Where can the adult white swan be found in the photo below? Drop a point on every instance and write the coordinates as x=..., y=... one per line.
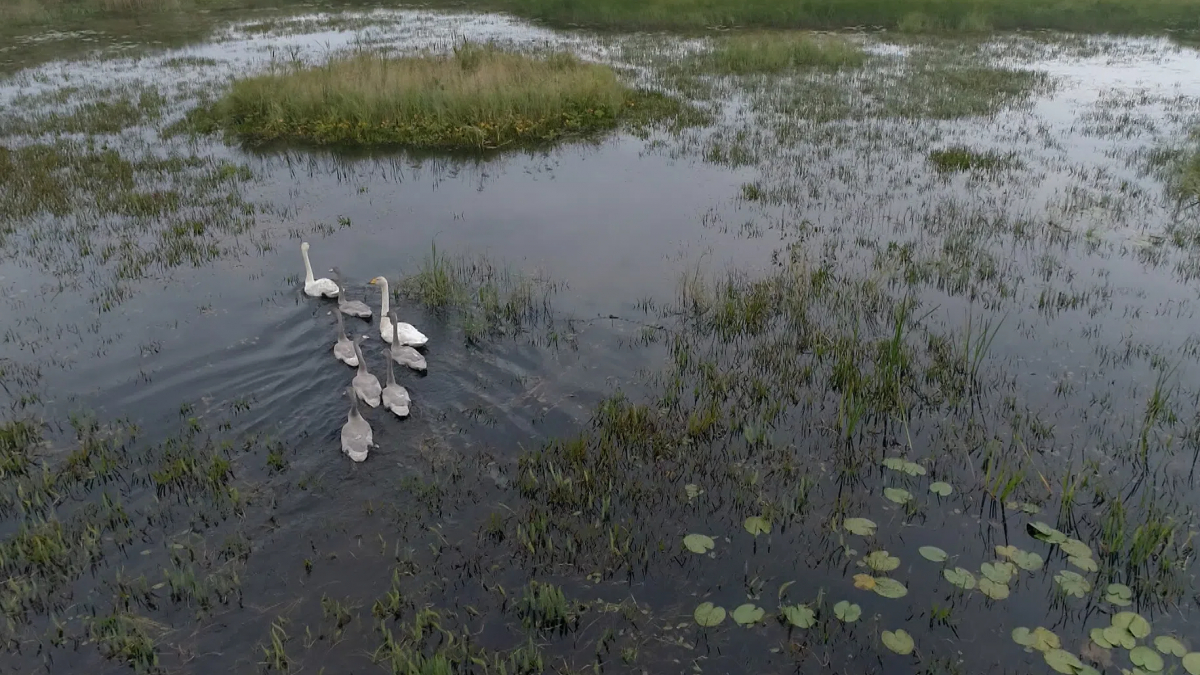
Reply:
x=316, y=287
x=356, y=432
x=407, y=333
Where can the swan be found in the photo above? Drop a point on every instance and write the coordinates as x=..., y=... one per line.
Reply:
x=402, y=353
x=356, y=433
x=395, y=397
x=315, y=287
x=408, y=334
x=343, y=349
x=365, y=384
x=349, y=307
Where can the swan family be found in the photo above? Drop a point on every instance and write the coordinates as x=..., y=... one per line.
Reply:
x=401, y=338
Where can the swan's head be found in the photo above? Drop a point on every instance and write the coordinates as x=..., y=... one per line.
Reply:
x=304, y=246
x=378, y=280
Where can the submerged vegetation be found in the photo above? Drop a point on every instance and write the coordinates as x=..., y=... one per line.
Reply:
x=478, y=97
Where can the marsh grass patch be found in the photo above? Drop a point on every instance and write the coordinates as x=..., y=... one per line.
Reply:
x=777, y=52
x=960, y=158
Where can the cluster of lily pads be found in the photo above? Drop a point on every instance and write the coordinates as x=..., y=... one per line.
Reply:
x=1125, y=631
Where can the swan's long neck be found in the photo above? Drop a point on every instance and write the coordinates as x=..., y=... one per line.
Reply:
x=354, y=405
x=395, y=329
x=362, y=363
x=391, y=376
x=308, y=275
x=384, y=306
x=341, y=326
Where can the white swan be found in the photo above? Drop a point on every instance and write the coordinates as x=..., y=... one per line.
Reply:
x=357, y=438
x=343, y=349
x=395, y=397
x=349, y=307
x=315, y=287
x=402, y=353
x=409, y=335
x=364, y=383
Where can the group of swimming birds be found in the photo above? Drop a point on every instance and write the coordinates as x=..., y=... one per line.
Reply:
x=402, y=339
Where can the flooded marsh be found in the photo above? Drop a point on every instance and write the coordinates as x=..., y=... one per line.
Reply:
x=878, y=355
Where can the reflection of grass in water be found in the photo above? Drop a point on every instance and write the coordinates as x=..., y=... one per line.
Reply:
x=479, y=97
x=774, y=52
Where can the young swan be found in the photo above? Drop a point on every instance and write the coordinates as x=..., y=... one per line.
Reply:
x=402, y=353
x=356, y=433
x=395, y=397
x=343, y=349
x=364, y=383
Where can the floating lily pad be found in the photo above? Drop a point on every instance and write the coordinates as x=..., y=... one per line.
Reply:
x=933, y=553
x=1038, y=638
x=1072, y=583
x=708, y=615
x=864, y=582
x=692, y=491
x=1028, y=560
x=882, y=561
x=1146, y=658
x=757, y=525
x=1191, y=663
x=847, y=611
x=1063, y=661
x=1119, y=594
x=941, y=488
x=1097, y=635
x=1024, y=506
x=1076, y=548
x=859, y=526
x=1046, y=533
x=1132, y=622
x=898, y=495
x=747, y=614
x=899, y=641
x=999, y=572
x=1085, y=564
x=960, y=577
x=993, y=589
x=1023, y=636
x=1007, y=551
x=904, y=466
x=1168, y=644
x=889, y=588
x=800, y=616
x=698, y=543
x=1119, y=637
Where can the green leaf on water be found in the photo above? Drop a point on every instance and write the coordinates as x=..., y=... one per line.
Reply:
x=859, y=526
x=889, y=588
x=1147, y=658
x=1119, y=637
x=757, y=525
x=1191, y=663
x=1076, y=548
x=847, y=611
x=1132, y=622
x=698, y=543
x=1063, y=661
x=1169, y=644
x=993, y=589
x=960, y=577
x=999, y=572
x=1119, y=594
x=882, y=561
x=898, y=495
x=1023, y=636
x=1039, y=639
x=1028, y=560
x=1072, y=583
x=933, y=553
x=747, y=614
x=1097, y=636
x=1085, y=564
x=904, y=466
x=708, y=615
x=899, y=641
x=894, y=463
x=941, y=488
x=800, y=616
x=1046, y=533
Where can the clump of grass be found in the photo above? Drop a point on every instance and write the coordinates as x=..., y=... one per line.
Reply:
x=126, y=637
x=545, y=608
x=93, y=117
x=960, y=158
x=776, y=52
x=1189, y=180
x=477, y=97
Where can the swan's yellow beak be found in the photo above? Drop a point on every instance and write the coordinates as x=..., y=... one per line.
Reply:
x=372, y=282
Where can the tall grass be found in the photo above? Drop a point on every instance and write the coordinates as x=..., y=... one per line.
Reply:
x=775, y=52
x=477, y=97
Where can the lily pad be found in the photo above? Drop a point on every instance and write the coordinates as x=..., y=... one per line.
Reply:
x=1072, y=583
x=859, y=526
x=747, y=614
x=999, y=572
x=1044, y=640
x=899, y=641
x=708, y=615
x=1023, y=636
x=933, y=553
x=698, y=543
x=1063, y=661
x=898, y=495
x=889, y=588
x=1119, y=637
x=800, y=616
x=757, y=525
x=1168, y=644
x=1007, y=551
x=1028, y=560
x=1119, y=594
x=882, y=561
x=1132, y=622
x=1097, y=635
x=941, y=488
x=1046, y=533
x=1146, y=658
x=847, y=611
x=993, y=589
x=864, y=582
x=904, y=466
x=1085, y=564
x=960, y=577
x=1191, y=663
x=1076, y=548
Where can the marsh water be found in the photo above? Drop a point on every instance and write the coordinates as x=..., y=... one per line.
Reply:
x=1073, y=260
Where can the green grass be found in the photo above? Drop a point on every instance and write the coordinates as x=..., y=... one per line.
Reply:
x=478, y=97
x=776, y=52
x=959, y=158
x=1189, y=180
